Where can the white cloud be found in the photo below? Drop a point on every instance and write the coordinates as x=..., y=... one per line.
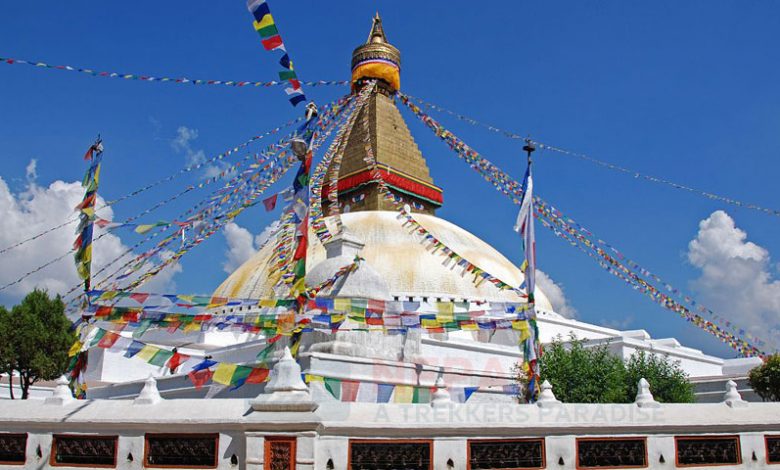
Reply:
x=183, y=143
x=36, y=209
x=736, y=280
x=242, y=245
x=555, y=294
x=31, y=171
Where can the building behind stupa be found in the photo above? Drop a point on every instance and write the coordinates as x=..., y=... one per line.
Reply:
x=461, y=412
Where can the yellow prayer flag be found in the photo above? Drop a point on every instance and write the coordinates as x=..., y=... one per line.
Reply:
x=75, y=349
x=267, y=20
x=268, y=303
x=147, y=352
x=342, y=305
x=314, y=378
x=403, y=394
x=193, y=326
x=428, y=323
x=224, y=373
x=469, y=326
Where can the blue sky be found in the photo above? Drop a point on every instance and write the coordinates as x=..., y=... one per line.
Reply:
x=682, y=91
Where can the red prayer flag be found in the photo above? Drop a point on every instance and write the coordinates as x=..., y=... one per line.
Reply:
x=257, y=376
x=108, y=340
x=199, y=378
x=349, y=390
x=270, y=203
x=176, y=360
x=272, y=43
x=140, y=298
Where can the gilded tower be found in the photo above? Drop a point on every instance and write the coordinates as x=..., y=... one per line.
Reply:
x=400, y=161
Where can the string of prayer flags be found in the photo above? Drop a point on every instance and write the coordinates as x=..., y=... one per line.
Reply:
x=177, y=80
x=611, y=166
x=580, y=237
x=372, y=392
x=271, y=39
x=86, y=209
x=223, y=373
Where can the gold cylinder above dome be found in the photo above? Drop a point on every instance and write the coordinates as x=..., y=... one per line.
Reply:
x=377, y=59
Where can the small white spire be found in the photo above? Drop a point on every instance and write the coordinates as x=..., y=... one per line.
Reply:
x=644, y=399
x=286, y=391
x=441, y=397
x=149, y=394
x=61, y=394
x=547, y=397
x=732, y=397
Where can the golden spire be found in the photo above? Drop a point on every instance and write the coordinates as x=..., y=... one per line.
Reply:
x=377, y=59
x=377, y=34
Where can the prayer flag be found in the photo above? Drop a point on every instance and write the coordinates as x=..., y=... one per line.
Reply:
x=200, y=377
x=205, y=364
x=108, y=340
x=224, y=373
x=258, y=375
x=134, y=348
x=367, y=393
x=349, y=390
x=384, y=392
x=272, y=43
x=403, y=394
x=334, y=387
x=270, y=203
x=421, y=395
x=147, y=352
x=160, y=357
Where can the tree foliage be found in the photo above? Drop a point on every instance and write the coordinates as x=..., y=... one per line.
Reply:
x=35, y=338
x=580, y=374
x=765, y=379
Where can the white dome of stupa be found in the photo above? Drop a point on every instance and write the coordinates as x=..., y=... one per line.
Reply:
x=402, y=261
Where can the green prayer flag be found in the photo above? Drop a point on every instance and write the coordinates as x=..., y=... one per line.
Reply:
x=97, y=338
x=268, y=31
x=160, y=357
x=334, y=387
x=240, y=374
x=421, y=395
x=287, y=75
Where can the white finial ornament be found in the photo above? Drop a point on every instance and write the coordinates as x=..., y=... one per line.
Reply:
x=547, y=397
x=149, y=394
x=732, y=397
x=61, y=394
x=441, y=397
x=644, y=399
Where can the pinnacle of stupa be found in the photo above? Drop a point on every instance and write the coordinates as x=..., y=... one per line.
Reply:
x=398, y=157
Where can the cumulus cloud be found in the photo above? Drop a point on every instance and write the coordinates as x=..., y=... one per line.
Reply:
x=555, y=294
x=242, y=245
x=736, y=279
x=36, y=209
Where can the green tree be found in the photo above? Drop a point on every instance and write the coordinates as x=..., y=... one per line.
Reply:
x=580, y=374
x=583, y=375
x=765, y=379
x=668, y=382
x=36, y=336
x=6, y=349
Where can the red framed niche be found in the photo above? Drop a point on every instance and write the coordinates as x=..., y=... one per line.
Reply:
x=57, y=439
x=214, y=437
x=540, y=440
x=288, y=444
x=767, y=438
x=731, y=437
x=641, y=439
x=428, y=442
x=23, y=437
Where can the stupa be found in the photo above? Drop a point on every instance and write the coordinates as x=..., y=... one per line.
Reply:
x=396, y=266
